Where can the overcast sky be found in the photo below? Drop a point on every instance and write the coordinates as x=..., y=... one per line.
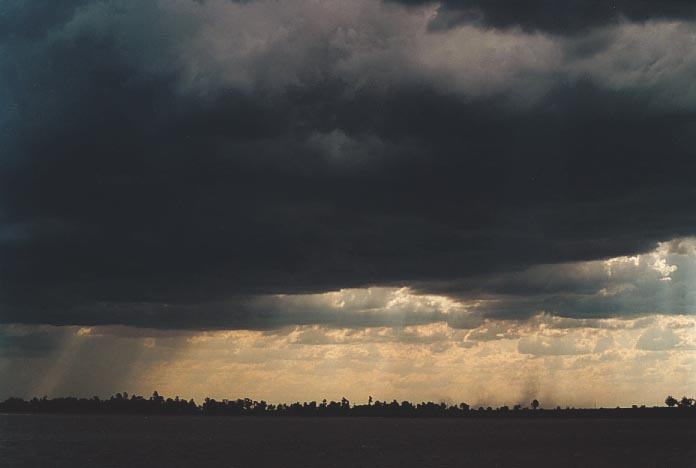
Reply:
x=465, y=199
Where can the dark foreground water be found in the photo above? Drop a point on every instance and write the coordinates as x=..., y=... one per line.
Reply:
x=170, y=441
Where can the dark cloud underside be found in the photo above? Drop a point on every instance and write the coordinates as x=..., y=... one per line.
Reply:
x=556, y=16
x=117, y=187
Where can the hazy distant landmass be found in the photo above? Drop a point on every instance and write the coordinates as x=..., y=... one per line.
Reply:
x=122, y=403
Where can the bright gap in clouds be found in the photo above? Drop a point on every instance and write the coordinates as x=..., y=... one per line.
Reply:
x=395, y=343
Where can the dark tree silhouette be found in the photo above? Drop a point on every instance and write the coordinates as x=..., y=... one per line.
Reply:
x=686, y=402
x=122, y=403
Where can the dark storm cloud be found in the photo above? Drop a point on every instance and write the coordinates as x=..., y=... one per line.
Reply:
x=121, y=185
x=26, y=19
x=19, y=341
x=555, y=16
x=250, y=313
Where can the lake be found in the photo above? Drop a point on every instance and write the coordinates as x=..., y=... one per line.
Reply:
x=177, y=441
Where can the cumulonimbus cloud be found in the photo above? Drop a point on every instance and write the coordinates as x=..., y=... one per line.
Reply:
x=166, y=161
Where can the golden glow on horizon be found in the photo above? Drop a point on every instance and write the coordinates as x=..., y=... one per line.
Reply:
x=559, y=361
x=423, y=347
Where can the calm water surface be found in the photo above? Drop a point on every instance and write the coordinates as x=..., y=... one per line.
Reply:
x=170, y=441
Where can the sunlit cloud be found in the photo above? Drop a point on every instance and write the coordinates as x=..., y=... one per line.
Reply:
x=276, y=45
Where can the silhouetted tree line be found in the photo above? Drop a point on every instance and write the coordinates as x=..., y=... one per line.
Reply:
x=119, y=403
x=122, y=403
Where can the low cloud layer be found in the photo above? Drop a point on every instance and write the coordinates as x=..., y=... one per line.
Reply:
x=559, y=361
x=657, y=282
